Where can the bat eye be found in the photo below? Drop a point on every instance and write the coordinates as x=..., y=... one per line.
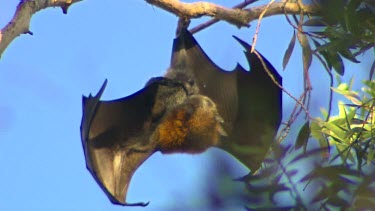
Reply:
x=191, y=82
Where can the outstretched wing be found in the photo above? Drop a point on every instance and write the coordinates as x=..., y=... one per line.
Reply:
x=249, y=101
x=115, y=137
x=259, y=111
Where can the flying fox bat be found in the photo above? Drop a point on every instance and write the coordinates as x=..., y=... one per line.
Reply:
x=196, y=105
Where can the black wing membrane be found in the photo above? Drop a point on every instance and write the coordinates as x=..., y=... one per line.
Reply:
x=259, y=111
x=107, y=129
x=249, y=101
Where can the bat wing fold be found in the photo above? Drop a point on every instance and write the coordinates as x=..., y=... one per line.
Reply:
x=115, y=139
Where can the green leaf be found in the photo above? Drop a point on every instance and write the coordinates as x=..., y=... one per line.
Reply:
x=370, y=155
x=343, y=90
x=337, y=63
x=348, y=55
x=335, y=131
x=303, y=136
x=342, y=112
x=372, y=69
x=350, y=95
x=349, y=117
x=337, y=201
x=289, y=50
x=306, y=50
x=360, y=155
x=343, y=87
x=316, y=133
x=344, y=151
x=307, y=154
x=316, y=130
x=292, y=172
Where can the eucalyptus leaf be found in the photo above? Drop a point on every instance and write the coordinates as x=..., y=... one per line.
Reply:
x=289, y=50
x=303, y=136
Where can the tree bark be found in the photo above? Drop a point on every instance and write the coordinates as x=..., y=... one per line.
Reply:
x=20, y=23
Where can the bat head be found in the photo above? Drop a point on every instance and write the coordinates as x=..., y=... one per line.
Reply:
x=190, y=127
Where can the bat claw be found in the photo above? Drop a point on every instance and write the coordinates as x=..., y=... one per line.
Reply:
x=138, y=204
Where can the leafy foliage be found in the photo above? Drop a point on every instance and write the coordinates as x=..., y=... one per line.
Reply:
x=279, y=185
x=344, y=29
x=337, y=175
x=340, y=173
x=352, y=130
x=348, y=29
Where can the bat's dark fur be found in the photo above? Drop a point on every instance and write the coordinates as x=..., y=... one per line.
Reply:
x=195, y=106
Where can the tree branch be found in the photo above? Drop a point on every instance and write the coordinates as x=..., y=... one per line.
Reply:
x=20, y=22
x=195, y=10
x=215, y=20
x=238, y=17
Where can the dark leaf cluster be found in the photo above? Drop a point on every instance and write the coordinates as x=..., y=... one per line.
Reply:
x=302, y=180
x=345, y=29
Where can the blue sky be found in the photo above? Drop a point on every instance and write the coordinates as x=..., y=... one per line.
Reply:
x=42, y=80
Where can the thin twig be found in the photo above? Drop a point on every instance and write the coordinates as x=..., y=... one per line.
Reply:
x=299, y=29
x=292, y=117
x=258, y=26
x=282, y=88
x=278, y=84
x=297, y=196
